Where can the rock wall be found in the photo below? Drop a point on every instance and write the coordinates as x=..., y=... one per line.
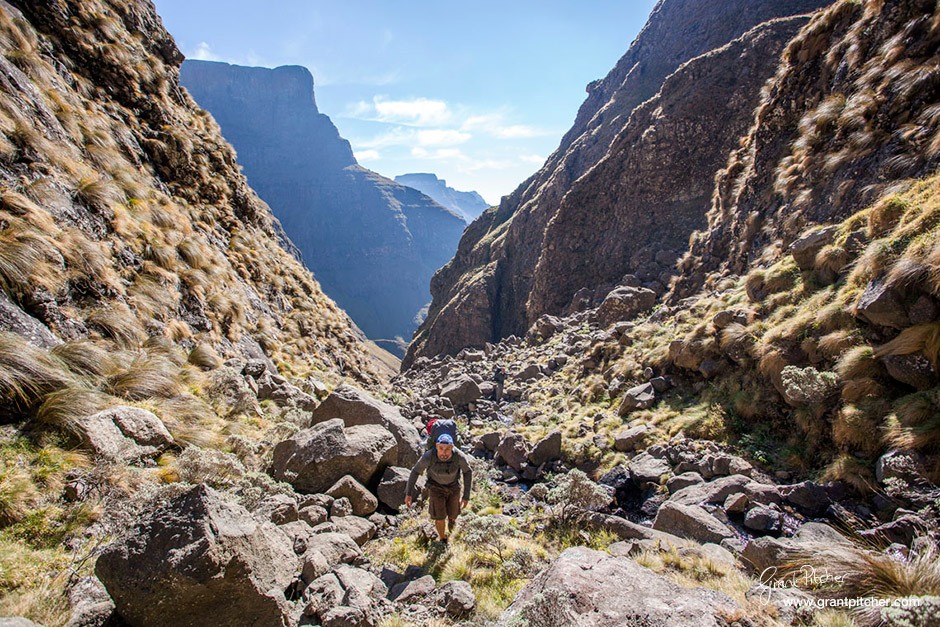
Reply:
x=481, y=294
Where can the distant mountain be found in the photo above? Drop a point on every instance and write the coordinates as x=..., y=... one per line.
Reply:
x=467, y=204
x=373, y=244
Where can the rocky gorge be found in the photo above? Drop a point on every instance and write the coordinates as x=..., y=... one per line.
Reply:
x=193, y=433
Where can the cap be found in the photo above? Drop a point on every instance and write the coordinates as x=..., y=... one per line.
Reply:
x=445, y=438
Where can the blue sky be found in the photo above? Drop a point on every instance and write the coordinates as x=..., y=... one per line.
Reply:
x=479, y=93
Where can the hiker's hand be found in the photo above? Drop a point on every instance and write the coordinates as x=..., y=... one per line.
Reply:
x=408, y=501
x=463, y=504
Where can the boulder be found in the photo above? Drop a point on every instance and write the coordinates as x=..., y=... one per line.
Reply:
x=914, y=370
x=313, y=515
x=276, y=389
x=312, y=460
x=542, y=329
x=16, y=621
x=766, y=551
x=793, y=606
x=391, y=490
x=461, y=391
x=341, y=507
x=630, y=439
x=584, y=587
x=91, y=605
x=690, y=521
x=363, y=502
x=805, y=248
x=683, y=481
x=410, y=590
x=359, y=529
x=639, y=397
x=491, y=440
x=277, y=508
x=457, y=598
x=229, y=388
x=546, y=450
x=763, y=519
x=123, y=434
x=808, y=496
x=644, y=468
x=513, y=450
x=736, y=503
x=336, y=548
x=880, y=304
x=624, y=303
x=714, y=492
x=356, y=408
x=903, y=530
x=200, y=560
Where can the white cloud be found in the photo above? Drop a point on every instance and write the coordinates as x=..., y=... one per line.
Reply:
x=442, y=137
x=493, y=124
x=204, y=52
x=367, y=155
x=422, y=112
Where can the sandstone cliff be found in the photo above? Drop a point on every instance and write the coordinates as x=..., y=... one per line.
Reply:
x=372, y=244
x=481, y=294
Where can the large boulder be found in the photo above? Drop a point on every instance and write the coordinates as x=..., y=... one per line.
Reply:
x=646, y=469
x=546, y=450
x=631, y=438
x=639, y=397
x=314, y=459
x=513, y=450
x=624, y=303
x=766, y=552
x=805, y=248
x=881, y=304
x=355, y=407
x=461, y=391
x=123, y=433
x=200, y=560
x=591, y=588
x=391, y=490
x=363, y=502
x=691, y=521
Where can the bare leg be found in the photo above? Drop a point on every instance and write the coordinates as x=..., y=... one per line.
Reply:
x=451, y=524
x=441, y=529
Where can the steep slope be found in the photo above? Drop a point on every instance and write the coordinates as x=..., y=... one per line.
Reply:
x=372, y=244
x=467, y=204
x=852, y=111
x=125, y=215
x=481, y=294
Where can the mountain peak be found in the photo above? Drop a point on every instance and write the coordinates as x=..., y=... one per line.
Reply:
x=467, y=205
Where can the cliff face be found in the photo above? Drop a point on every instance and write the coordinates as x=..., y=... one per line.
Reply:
x=124, y=217
x=481, y=294
x=850, y=114
x=469, y=205
x=372, y=244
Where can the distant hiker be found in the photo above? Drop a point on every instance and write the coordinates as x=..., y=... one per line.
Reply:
x=444, y=463
x=499, y=378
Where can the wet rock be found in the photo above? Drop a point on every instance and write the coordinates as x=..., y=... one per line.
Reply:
x=356, y=408
x=312, y=460
x=690, y=521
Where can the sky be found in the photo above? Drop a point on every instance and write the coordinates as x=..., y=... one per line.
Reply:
x=479, y=93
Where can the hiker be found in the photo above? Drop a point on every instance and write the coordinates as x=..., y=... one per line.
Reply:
x=499, y=378
x=444, y=463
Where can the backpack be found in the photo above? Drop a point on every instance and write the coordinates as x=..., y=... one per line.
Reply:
x=439, y=426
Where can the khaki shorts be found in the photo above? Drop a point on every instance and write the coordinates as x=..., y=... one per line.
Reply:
x=444, y=501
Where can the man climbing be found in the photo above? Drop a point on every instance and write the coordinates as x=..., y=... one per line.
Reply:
x=444, y=463
x=499, y=378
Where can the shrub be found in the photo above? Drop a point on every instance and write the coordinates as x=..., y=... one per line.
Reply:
x=486, y=536
x=573, y=493
x=215, y=468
